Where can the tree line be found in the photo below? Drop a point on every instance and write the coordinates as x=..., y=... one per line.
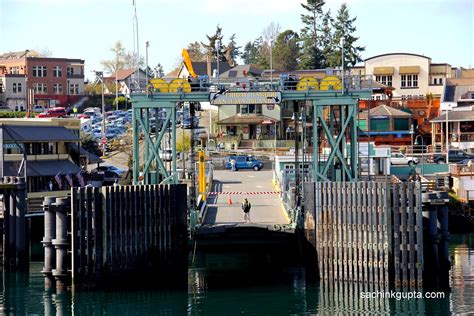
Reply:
x=317, y=45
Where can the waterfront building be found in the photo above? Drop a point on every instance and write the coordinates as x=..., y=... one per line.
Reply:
x=51, y=147
x=28, y=78
x=127, y=80
x=458, y=99
x=385, y=125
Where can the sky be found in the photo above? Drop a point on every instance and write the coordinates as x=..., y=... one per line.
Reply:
x=87, y=29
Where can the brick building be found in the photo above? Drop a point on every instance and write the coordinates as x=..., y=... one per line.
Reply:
x=28, y=78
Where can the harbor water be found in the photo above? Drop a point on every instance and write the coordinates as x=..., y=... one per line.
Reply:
x=285, y=291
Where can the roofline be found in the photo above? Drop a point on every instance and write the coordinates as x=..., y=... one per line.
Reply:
x=388, y=54
x=440, y=64
x=57, y=59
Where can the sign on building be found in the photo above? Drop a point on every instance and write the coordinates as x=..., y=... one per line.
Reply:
x=248, y=97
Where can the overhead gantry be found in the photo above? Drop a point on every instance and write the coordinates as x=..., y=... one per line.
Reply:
x=333, y=111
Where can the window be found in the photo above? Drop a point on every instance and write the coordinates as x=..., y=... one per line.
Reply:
x=1, y=87
x=57, y=71
x=74, y=88
x=15, y=70
x=16, y=87
x=251, y=108
x=258, y=108
x=409, y=81
x=39, y=71
x=385, y=80
x=70, y=71
x=57, y=88
x=243, y=109
x=440, y=80
x=41, y=88
x=435, y=81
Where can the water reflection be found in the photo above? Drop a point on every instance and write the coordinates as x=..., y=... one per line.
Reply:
x=256, y=292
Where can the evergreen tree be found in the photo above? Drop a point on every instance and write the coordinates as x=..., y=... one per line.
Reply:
x=327, y=38
x=343, y=28
x=251, y=50
x=232, y=43
x=211, y=46
x=196, y=51
x=311, y=56
x=286, y=51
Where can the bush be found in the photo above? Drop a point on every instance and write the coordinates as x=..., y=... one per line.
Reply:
x=14, y=114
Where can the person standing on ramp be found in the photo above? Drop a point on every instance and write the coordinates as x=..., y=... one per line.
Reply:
x=246, y=208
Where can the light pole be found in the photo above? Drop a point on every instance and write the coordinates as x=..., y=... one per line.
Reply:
x=447, y=136
x=116, y=81
x=218, y=48
x=275, y=144
x=103, y=140
x=271, y=63
x=146, y=68
x=422, y=153
x=342, y=58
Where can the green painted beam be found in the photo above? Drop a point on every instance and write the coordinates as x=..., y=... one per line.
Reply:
x=145, y=101
x=290, y=95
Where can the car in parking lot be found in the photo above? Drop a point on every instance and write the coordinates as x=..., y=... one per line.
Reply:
x=188, y=123
x=244, y=162
x=401, y=159
x=455, y=155
x=38, y=108
x=112, y=169
x=54, y=112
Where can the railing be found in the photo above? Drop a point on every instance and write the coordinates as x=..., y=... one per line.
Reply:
x=461, y=169
x=285, y=83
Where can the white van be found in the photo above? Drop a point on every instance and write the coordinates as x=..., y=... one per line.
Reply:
x=86, y=125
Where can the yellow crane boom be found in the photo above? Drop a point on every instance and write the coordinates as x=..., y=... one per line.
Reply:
x=188, y=63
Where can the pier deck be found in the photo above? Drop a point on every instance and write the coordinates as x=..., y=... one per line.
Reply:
x=256, y=186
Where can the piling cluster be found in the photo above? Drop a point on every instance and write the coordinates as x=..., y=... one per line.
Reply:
x=15, y=255
x=55, y=242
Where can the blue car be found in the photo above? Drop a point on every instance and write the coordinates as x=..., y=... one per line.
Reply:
x=244, y=162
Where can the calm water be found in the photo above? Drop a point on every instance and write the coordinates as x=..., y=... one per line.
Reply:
x=282, y=293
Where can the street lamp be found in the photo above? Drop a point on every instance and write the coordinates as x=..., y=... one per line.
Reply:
x=271, y=63
x=218, y=48
x=100, y=76
x=342, y=59
x=422, y=153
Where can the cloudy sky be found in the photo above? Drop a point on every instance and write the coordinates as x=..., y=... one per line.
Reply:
x=87, y=29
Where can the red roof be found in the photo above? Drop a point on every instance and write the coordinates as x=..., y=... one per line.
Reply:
x=123, y=74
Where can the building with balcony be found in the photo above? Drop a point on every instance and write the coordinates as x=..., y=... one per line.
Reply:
x=46, y=148
x=411, y=75
x=45, y=81
x=458, y=99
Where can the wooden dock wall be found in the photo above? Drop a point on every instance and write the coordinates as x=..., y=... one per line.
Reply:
x=356, y=229
x=128, y=233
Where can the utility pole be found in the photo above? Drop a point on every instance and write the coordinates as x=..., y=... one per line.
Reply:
x=146, y=68
x=342, y=58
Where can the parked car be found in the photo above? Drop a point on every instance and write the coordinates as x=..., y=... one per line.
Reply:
x=455, y=155
x=95, y=110
x=54, y=112
x=244, y=162
x=113, y=169
x=38, y=108
x=83, y=116
x=401, y=159
x=187, y=123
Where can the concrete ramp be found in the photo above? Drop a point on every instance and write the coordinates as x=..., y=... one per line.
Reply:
x=229, y=191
